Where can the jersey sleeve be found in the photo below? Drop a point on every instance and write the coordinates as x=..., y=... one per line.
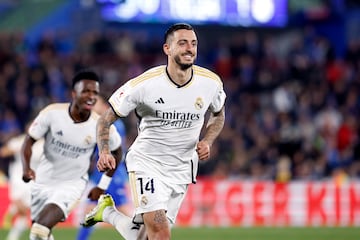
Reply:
x=124, y=99
x=40, y=125
x=115, y=138
x=218, y=100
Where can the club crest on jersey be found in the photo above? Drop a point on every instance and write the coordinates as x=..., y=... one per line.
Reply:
x=199, y=104
x=88, y=140
x=144, y=201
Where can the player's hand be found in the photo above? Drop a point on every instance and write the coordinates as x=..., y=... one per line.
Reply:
x=106, y=162
x=95, y=193
x=203, y=150
x=28, y=175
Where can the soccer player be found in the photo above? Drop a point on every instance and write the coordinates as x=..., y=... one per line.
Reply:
x=69, y=130
x=171, y=102
x=19, y=192
x=118, y=187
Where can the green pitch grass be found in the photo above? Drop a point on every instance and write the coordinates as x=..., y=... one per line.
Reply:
x=224, y=234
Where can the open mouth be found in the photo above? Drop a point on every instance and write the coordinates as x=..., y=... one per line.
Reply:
x=188, y=57
x=89, y=104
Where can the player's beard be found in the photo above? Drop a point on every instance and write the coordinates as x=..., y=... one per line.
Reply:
x=183, y=66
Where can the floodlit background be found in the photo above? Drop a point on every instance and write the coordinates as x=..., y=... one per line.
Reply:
x=289, y=154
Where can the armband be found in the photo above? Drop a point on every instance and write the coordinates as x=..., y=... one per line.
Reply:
x=104, y=182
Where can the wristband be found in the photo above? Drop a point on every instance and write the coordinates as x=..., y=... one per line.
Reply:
x=104, y=182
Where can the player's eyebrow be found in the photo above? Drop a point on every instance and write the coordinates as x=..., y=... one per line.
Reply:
x=185, y=40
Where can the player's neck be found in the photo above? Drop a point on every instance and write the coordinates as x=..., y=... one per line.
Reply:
x=77, y=115
x=178, y=75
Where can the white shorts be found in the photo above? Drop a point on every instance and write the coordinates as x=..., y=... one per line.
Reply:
x=150, y=194
x=20, y=191
x=65, y=194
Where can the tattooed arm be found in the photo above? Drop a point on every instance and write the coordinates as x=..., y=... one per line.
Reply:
x=213, y=129
x=106, y=159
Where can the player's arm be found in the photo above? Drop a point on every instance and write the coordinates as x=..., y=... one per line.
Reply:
x=117, y=154
x=106, y=160
x=26, y=152
x=213, y=129
x=106, y=178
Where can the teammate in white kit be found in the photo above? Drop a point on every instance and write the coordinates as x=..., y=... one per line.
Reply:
x=19, y=192
x=171, y=102
x=69, y=130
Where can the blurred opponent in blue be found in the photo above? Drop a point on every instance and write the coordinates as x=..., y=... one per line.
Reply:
x=118, y=187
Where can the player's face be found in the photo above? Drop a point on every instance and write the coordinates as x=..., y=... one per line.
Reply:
x=182, y=48
x=85, y=94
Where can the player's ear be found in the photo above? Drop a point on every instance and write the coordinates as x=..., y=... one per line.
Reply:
x=166, y=48
x=73, y=93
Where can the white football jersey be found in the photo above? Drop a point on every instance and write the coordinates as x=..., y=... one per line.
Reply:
x=15, y=167
x=171, y=118
x=19, y=190
x=68, y=145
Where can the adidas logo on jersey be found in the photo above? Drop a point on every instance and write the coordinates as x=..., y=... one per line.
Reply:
x=160, y=101
x=60, y=133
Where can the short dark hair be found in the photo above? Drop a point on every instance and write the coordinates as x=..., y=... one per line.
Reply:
x=85, y=75
x=177, y=26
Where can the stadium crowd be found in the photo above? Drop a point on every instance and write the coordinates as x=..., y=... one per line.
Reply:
x=292, y=104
